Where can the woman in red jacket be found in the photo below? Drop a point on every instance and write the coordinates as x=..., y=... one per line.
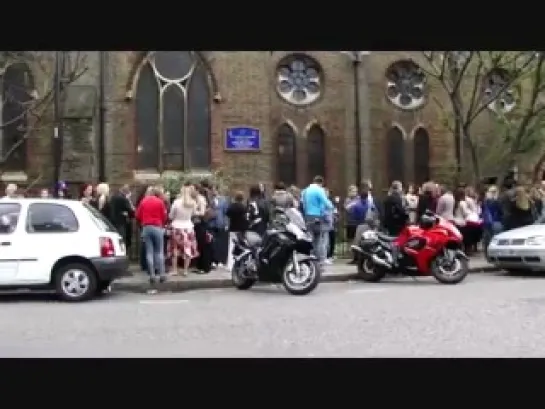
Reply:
x=152, y=216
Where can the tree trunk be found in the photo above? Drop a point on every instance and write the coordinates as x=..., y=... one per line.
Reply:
x=473, y=153
x=538, y=168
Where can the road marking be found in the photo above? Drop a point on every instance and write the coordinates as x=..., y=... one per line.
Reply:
x=366, y=290
x=163, y=302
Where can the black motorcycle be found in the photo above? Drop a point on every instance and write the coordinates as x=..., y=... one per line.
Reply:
x=282, y=255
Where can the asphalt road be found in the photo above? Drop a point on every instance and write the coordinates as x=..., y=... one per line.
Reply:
x=489, y=315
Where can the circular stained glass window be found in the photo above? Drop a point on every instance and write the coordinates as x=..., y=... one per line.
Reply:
x=405, y=85
x=501, y=99
x=299, y=79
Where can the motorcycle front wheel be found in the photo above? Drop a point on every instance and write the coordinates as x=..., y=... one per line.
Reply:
x=303, y=282
x=369, y=271
x=240, y=281
x=449, y=271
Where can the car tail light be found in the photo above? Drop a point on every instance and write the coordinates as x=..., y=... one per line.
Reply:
x=107, y=248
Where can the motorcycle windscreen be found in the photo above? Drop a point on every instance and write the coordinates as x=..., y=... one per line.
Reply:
x=296, y=218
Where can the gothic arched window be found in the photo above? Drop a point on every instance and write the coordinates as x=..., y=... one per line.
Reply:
x=421, y=145
x=316, y=152
x=17, y=86
x=173, y=112
x=286, y=161
x=396, y=155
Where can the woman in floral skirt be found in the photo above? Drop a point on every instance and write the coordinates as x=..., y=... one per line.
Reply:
x=183, y=242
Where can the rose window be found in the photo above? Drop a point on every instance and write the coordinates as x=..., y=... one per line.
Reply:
x=502, y=100
x=405, y=85
x=299, y=79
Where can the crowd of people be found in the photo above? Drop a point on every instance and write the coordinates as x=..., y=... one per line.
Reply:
x=479, y=213
x=193, y=229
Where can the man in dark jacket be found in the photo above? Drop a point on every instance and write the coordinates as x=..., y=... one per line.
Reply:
x=258, y=210
x=395, y=214
x=506, y=199
x=122, y=211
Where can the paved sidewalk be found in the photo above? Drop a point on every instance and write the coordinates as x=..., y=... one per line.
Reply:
x=338, y=272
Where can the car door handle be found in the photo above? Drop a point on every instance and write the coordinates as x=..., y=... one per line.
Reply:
x=5, y=243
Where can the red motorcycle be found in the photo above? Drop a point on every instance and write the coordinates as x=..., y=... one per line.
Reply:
x=431, y=248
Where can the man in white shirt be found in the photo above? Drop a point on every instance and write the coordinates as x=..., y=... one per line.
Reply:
x=445, y=204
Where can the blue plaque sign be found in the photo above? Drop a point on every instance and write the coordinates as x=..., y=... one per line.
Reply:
x=242, y=138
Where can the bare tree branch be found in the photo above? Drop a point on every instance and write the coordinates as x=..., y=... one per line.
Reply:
x=38, y=101
x=463, y=81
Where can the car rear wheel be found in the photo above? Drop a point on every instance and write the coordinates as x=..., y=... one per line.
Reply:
x=75, y=282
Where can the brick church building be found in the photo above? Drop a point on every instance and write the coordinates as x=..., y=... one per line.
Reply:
x=258, y=116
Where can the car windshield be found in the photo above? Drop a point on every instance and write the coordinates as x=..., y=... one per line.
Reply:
x=296, y=217
x=98, y=218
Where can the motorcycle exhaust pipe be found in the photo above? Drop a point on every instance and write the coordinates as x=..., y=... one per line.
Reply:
x=357, y=248
x=380, y=261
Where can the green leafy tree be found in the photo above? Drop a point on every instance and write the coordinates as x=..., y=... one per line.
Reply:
x=520, y=134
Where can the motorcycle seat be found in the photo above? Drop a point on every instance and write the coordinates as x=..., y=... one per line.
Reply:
x=385, y=237
x=253, y=238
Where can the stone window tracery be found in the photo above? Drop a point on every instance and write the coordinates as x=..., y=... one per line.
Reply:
x=173, y=112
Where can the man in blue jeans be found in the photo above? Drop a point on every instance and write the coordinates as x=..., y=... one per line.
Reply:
x=316, y=206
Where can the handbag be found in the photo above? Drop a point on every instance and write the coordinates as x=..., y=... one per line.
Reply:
x=473, y=219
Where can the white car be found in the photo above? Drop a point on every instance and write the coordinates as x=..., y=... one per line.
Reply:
x=61, y=245
x=521, y=249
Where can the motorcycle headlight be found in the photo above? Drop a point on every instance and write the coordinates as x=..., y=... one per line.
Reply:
x=535, y=241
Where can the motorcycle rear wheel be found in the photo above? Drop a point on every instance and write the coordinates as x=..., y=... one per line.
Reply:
x=369, y=271
x=450, y=274
x=238, y=279
x=294, y=285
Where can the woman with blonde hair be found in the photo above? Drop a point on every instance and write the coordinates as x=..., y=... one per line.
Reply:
x=522, y=211
x=103, y=200
x=182, y=238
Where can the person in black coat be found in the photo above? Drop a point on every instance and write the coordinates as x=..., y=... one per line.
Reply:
x=122, y=212
x=236, y=212
x=238, y=223
x=427, y=201
x=395, y=213
x=258, y=211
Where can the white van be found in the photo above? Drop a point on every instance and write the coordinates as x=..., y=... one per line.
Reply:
x=58, y=244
